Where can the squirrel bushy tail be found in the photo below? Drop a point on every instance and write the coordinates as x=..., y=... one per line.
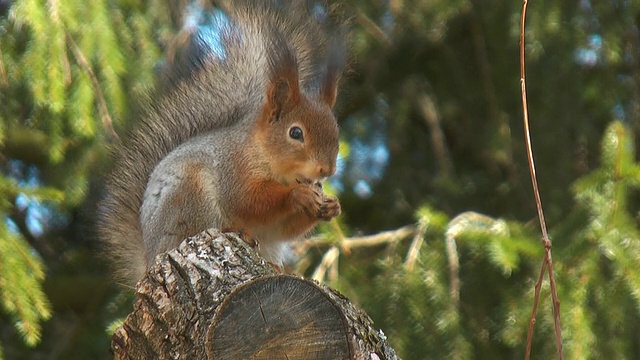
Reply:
x=222, y=85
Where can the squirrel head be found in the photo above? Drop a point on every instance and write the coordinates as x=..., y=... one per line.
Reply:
x=297, y=133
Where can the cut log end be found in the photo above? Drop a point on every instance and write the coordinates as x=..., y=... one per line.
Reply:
x=214, y=297
x=281, y=317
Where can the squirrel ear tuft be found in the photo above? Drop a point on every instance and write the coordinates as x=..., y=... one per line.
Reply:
x=336, y=62
x=329, y=87
x=282, y=95
x=283, y=91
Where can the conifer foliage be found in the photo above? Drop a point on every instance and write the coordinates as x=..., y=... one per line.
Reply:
x=66, y=70
x=438, y=239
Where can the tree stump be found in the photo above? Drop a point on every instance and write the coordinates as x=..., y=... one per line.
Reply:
x=214, y=297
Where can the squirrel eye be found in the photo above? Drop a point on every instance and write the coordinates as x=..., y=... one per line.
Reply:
x=296, y=133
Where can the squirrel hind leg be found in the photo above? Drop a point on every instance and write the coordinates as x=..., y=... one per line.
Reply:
x=275, y=253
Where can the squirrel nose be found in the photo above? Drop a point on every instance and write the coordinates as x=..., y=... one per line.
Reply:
x=326, y=170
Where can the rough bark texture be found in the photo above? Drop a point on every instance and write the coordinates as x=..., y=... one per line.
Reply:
x=215, y=298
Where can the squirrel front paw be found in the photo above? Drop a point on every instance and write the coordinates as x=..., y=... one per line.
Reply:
x=330, y=205
x=310, y=199
x=330, y=208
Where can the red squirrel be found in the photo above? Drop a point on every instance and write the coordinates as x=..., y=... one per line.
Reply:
x=242, y=142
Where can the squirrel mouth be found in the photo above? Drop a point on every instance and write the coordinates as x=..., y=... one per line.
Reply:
x=308, y=181
x=304, y=180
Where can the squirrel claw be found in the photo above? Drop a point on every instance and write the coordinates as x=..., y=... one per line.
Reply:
x=315, y=203
x=322, y=211
x=331, y=208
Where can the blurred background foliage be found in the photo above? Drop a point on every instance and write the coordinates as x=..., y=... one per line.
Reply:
x=433, y=168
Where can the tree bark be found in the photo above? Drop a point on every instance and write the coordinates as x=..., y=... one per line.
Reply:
x=214, y=297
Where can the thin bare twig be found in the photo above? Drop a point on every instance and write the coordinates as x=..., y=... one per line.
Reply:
x=102, y=103
x=363, y=241
x=454, y=268
x=337, y=231
x=547, y=261
x=54, y=12
x=4, y=81
x=416, y=244
x=438, y=142
x=489, y=89
x=372, y=28
x=536, y=299
x=329, y=258
x=329, y=262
